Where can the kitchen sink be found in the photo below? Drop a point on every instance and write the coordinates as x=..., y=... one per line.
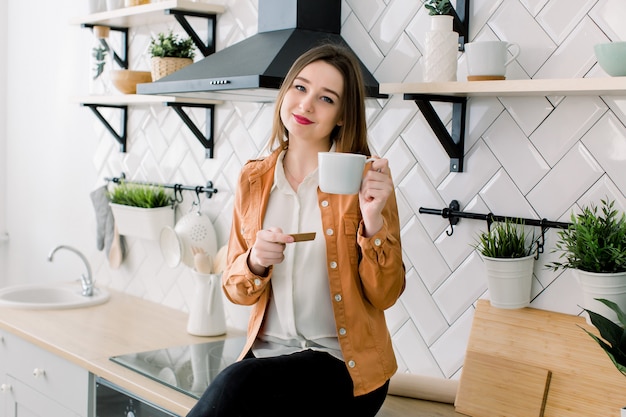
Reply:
x=50, y=296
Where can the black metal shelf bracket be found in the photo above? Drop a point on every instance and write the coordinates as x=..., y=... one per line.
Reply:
x=454, y=142
x=122, y=58
x=461, y=21
x=206, y=139
x=453, y=214
x=121, y=137
x=206, y=48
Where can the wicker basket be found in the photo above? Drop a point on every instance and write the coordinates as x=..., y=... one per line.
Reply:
x=165, y=66
x=130, y=3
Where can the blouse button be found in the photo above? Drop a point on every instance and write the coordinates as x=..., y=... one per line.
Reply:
x=330, y=232
x=351, y=364
x=324, y=203
x=333, y=264
x=337, y=297
x=342, y=331
x=257, y=282
x=377, y=242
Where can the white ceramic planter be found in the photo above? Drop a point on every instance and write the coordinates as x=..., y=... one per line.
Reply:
x=144, y=223
x=599, y=285
x=509, y=281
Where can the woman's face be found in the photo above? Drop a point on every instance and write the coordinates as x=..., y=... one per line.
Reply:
x=311, y=107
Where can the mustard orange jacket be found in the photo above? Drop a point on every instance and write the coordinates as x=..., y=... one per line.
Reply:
x=366, y=275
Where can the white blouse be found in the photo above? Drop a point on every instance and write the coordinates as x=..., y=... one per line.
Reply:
x=299, y=314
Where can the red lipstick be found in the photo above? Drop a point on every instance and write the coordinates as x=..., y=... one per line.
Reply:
x=302, y=120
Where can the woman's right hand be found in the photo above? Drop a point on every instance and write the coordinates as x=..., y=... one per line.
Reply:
x=268, y=250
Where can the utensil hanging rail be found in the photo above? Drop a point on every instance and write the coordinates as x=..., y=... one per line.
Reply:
x=208, y=190
x=453, y=214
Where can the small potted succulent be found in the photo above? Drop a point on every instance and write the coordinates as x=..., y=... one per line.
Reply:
x=508, y=253
x=169, y=53
x=438, y=7
x=141, y=210
x=594, y=247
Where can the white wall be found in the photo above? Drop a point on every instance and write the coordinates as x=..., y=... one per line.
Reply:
x=3, y=138
x=531, y=157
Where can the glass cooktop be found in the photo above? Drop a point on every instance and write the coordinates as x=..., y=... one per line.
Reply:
x=188, y=369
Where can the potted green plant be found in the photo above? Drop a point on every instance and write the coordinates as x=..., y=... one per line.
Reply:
x=141, y=210
x=169, y=53
x=509, y=256
x=441, y=43
x=612, y=336
x=594, y=247
x=438, y=7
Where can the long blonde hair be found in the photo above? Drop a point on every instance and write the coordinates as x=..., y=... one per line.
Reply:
x=351, y=136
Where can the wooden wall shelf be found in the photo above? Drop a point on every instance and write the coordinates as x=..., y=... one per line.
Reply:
x=146, y=14
x=457, y=94
x=121, y=102
x=544, y=87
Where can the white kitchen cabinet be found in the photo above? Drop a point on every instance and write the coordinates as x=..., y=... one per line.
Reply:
x=36, y=382
x=25, y=401
x=4, y=383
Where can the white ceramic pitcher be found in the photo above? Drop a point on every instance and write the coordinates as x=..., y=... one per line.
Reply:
x=206, y=315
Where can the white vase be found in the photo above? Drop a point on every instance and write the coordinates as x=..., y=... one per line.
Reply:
x=96, y=6
x=610, y=286
x=509, y=281
x=441, y=46
x=206, y=314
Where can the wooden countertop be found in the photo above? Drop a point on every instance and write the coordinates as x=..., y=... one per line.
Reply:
x=126, y=324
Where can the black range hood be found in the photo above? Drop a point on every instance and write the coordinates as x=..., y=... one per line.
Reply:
x=253, y=69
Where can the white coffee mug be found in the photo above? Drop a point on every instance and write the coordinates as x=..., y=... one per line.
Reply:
x=489, y=58
x=340, y=173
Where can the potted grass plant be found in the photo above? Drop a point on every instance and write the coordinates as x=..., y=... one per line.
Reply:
x=141, y=210
x=170, y=53
x=594, y=247
x=508, y=254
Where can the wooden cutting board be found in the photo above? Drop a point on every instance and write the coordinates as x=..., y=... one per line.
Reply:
x=491, y=386
x=584, y=382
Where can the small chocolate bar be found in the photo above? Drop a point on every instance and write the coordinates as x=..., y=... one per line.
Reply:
x=302, y=237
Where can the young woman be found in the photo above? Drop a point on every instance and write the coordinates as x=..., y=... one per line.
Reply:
x=317, y=342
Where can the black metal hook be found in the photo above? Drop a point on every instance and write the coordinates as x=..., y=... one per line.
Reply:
x=489, y=218
x=449, y=213
x=178, y=194
x=540, y=245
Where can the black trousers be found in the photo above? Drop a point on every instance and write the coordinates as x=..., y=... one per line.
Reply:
x=307, y=383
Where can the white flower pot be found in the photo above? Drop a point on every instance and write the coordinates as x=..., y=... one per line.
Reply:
x=509, y=281
x=441, y=48
x=144, y=223
x=602, y=285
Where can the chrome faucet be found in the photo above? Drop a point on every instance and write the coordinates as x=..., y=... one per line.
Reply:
x=86, y=281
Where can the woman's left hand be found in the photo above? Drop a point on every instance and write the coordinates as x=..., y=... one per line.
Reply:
x=376, y=188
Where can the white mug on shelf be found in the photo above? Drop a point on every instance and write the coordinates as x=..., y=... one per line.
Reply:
x=487, y=60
